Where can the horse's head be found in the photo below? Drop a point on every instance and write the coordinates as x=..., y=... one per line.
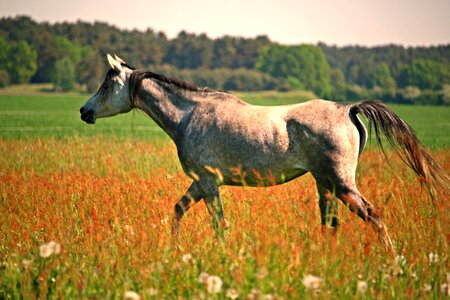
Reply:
x=113, y=96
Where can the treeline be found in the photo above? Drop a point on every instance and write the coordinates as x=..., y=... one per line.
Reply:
x=72, y=55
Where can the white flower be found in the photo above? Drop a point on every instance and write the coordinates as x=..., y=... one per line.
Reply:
x=46, y=250
x=400, y=261
x=445, y=289
x=213, y=284
x=433, y=258
x=232, y=294
x=203, y=277
x=426, y=287
x=56, y=248
x=129, y=229
x=152, y=292
x=254, y=294
x=262, y=272
x=362, y=286
x=132, y=295
x=186, y=258
x=312, y=282
x=26, y=263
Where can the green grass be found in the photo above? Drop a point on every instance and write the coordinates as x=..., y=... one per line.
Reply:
x=42, y=116
x=57, y=116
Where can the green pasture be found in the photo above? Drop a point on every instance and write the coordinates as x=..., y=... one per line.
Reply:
x=57, y=116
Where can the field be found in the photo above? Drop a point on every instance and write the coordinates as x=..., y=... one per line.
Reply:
x=105, y=195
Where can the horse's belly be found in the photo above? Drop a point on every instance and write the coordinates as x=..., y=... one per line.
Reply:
x=258, y=179
x=261, y=173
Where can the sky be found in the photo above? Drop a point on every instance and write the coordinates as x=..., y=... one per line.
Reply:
x=334, y=22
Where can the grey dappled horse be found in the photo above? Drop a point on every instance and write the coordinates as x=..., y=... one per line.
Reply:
x=222, y=140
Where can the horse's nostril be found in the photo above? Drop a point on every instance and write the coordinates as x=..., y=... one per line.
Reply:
x=87, y=115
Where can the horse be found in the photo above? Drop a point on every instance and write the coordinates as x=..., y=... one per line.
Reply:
x=222, y=140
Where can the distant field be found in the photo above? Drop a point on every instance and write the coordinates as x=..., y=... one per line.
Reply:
x=47, y=115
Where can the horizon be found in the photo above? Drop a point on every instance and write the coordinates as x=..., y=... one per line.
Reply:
x=287, y=22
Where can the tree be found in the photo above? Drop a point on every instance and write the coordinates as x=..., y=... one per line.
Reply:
x=190, y=51
x=4, y=51
x=338, y=84
x=380, y=75
x=90, y=71
x=224, y=52
x=305, y=66
x=21, y=62
x=63, y=75
x=446, y=94
x=425, y=74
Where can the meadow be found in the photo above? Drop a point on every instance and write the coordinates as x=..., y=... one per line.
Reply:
x=85, y=213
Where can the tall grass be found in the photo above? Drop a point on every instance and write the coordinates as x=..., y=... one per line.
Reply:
x=108, y=203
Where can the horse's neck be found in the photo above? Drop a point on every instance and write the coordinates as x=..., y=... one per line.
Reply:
x=166, y=108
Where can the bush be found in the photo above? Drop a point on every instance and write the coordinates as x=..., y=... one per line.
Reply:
x=446, y=94
x=63, y=75
x=22, y=62
x=4, y=78
x=429, y=97
x=356, y=93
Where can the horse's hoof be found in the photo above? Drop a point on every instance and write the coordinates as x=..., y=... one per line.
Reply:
x=224, y=224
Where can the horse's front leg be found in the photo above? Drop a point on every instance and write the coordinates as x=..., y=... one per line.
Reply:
x=192, y=196
x=214, y=205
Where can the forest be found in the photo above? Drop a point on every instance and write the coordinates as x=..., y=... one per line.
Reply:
x=71, y=56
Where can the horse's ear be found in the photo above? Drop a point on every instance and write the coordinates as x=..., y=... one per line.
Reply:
x=119, y=59
x=115, y=65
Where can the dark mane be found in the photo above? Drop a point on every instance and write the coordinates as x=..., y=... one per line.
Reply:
x=137, y=76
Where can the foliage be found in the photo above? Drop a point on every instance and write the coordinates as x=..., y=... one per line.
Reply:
x=425, y=74
x=189, y=51
x=338, y=85
x=305, y=66
x=446, y=94
x=63, y=75
x=4, y=78
x=381, y=76
x=353, y=71
x=19, y=60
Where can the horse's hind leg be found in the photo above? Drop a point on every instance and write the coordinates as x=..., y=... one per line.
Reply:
x=345, y=189
x=366, y=211
x=328, y=207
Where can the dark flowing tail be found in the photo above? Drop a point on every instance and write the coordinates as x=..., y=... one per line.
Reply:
x=403, y=139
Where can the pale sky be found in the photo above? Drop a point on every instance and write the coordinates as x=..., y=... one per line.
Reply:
x=340, y=22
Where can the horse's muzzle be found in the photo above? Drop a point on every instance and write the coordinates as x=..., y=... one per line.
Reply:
x=87, y=115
